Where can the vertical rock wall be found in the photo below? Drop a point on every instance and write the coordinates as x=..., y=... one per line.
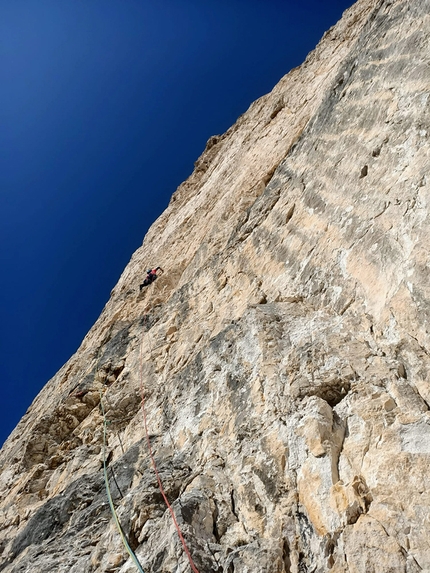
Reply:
x=284, y=353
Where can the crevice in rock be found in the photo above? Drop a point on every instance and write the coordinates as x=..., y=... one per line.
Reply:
x=382, y=210
x=332, y=392
x=364, y=171
x=189, y=480
x=269, y=174
x=133, y=540
x=215, y=526
x=302, y=567
x=420, y=345
x=286, y=556
x=108, y=460
x=279, y=106
x=233, y=505
x=347, y=305
x=339, y=430
x=306, y=532
x=290, y=213
x=213, y=568
x=330, y=547
x=401, y=371
x=116, y=483
x=415, y=562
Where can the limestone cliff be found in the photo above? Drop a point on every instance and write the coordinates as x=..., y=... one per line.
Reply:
x=284, y=353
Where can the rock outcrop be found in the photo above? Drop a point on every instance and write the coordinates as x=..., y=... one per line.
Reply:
x=283, y=354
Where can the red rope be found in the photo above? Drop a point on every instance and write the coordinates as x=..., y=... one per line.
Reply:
x=154, y=465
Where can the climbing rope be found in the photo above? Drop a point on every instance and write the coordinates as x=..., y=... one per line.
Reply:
x=154, y=465
x=109, y=495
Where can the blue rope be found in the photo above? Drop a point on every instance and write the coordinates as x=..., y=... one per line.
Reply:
x=109, y=495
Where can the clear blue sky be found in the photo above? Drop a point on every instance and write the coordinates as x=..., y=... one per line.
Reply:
x=104, y=107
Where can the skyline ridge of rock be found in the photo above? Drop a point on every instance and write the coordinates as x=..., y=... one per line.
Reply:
x=284, y=352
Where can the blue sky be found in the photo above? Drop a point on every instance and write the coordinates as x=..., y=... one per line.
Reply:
x=104, y=107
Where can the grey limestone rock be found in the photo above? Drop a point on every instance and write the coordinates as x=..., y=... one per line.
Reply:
x=282, y=357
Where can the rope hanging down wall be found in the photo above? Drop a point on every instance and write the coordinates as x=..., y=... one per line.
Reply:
x=154, y=465
x=109, y=496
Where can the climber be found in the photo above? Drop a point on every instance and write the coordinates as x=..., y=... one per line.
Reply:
x=151, y=275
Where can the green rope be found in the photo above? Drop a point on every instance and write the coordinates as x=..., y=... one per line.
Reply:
x=109, y=495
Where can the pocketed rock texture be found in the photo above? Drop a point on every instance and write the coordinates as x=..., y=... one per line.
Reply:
x=283, y=354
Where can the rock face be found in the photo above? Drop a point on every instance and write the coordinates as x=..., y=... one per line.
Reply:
x=283, y=355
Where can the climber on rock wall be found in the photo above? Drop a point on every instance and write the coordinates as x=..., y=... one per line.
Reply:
x=151, y=275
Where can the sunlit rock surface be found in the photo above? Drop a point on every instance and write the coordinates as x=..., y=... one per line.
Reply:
x=283, y=354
